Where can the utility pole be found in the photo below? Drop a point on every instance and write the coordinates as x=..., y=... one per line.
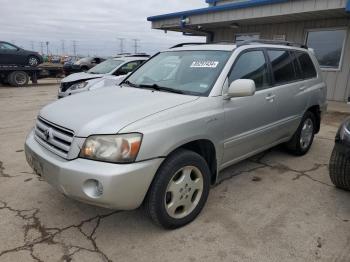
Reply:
x=74, y=48
x=136, y=45
x=42, y=47
x=47, y=47
x=121, y=44
x=63, y=47
x=32, y=44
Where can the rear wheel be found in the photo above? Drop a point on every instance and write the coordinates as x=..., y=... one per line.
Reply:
x=303, y=138
x=18, y=78
x=179, y=190
x=339, y=170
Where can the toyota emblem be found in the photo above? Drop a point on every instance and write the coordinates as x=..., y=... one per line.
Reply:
x=48, y=133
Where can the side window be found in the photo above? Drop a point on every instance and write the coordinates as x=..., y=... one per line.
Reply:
x=282, y=66
x=298, y=72
x=251, y=65
x=127, y=68
x=307, y=66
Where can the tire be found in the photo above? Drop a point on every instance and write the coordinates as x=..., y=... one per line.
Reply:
x=33, y=61
x=189, y=174
x=339, y=170
x=18, y=78
x=303, y=138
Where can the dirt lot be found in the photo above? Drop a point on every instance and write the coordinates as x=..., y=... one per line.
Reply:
x=273, y=207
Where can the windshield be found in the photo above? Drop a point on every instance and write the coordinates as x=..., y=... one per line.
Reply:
x=188, y=72
x=105, y=67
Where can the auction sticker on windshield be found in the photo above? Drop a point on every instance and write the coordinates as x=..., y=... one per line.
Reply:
x=205, y=64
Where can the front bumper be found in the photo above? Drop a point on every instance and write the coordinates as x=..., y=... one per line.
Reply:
x=124, y=186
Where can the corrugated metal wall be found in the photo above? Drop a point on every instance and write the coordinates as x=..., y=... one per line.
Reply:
x=338, y=81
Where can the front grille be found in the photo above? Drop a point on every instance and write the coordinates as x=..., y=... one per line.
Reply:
x=64, y=86
x=53, y=137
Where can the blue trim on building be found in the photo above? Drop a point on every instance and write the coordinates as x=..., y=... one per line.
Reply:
x=347, y=8
x=226, y=7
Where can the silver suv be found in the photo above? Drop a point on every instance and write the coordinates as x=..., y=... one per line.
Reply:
x=162, y=136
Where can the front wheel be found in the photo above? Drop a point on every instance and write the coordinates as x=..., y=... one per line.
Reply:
x=33, y=61
x=301, y=141
x=179, y=190
x=339, y=170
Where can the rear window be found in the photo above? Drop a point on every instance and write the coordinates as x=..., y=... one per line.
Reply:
x=306, y=64
x=282, y=66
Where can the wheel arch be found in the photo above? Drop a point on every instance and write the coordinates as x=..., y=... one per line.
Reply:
x=206, y=149
x=316, y=111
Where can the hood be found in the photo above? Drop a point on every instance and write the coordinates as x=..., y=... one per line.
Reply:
x=108, y=110
x=80, y=76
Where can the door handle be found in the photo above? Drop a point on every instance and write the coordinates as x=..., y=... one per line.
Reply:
x=270, y=98
x=302, y=88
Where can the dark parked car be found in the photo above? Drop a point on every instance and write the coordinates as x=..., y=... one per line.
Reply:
x=339, y=166
x=82, y=65
x=14, y=55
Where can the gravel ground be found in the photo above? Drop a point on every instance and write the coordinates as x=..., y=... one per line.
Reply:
x=272, y=207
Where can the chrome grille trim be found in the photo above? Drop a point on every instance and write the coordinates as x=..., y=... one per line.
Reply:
x=55, y=138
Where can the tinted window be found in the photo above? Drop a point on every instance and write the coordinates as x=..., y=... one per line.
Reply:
x=328, y=46
x=251, y=65
x=306, y=64
x=127, y=68
x=7, y=46
x=282, y=66
x=298, y=72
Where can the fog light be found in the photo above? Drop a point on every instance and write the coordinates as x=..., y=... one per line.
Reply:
x=93, y=188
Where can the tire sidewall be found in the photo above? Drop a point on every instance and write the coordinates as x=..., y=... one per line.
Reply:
x=12, y=78
x=165, y=174
x=307, y=116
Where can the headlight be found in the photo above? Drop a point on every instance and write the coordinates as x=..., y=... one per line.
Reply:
x=79, y=85
x=112, y=148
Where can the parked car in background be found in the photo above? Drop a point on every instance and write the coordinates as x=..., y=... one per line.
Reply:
x=14, y=55
x=109, y=72
x=339, y=166
x=163, y=135
x=82, y=65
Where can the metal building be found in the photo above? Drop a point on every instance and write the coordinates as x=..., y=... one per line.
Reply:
x=321, y=24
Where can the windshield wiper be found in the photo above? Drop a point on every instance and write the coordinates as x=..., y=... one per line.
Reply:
x=161, y=88
x=127, y=82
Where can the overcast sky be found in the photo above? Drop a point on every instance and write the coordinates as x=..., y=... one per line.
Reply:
x=94, y=24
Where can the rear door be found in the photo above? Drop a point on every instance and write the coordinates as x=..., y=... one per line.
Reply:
x=291, y=100
x=249, y=121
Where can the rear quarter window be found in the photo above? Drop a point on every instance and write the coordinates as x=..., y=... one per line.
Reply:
x=306, y=64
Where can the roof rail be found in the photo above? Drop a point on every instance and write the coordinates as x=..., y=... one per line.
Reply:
x=184, y=44
x=271, y=42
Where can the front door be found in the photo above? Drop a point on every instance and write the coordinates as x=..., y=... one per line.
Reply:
x=249, y=121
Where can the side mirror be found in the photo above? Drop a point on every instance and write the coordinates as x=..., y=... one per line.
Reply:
x=241, y=88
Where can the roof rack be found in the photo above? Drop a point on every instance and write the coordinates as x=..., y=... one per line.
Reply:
x=184, y=44
x=271, y=42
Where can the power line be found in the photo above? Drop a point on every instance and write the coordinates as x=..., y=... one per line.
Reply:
x=74, y=47
x=121, y=44
x=63, y=47
x=136, y=45
x=42, y=47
